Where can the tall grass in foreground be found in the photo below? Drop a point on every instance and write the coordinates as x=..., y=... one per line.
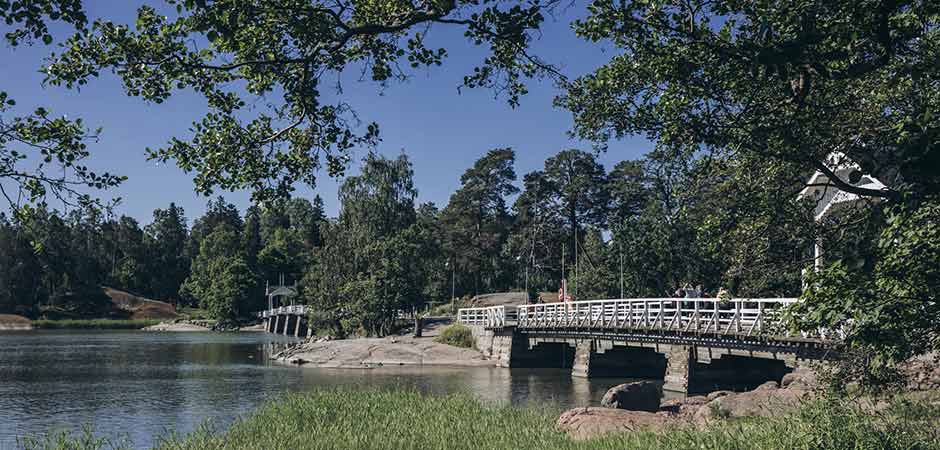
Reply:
x=66, y=440
x=94, y=324
x=380, y=420
x=346, y=419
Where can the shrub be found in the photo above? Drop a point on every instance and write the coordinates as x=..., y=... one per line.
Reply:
x=456, y=335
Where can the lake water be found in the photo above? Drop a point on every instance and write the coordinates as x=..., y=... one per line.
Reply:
x=138, y=385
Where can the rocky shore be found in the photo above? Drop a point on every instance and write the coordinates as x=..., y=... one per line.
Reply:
x=178, y=327
x=14, y=322
x=633, y=407
x=366, y=353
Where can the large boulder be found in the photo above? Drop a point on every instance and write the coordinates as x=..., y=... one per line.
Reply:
x=636, y=396
x=587, y=423
x=758, y=403
x=803, y=378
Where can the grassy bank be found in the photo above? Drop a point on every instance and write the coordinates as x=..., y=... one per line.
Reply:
x=94, y=324
x=399, y=420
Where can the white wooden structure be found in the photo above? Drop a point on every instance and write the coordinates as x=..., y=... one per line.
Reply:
x=292, y=310
x=830, y=200
x=740, y=316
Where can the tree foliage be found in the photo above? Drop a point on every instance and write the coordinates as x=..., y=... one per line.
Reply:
x=477, y=221
x=285, y=51
x=42, y=154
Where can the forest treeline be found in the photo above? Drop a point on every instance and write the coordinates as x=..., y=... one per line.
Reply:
x=646, y=226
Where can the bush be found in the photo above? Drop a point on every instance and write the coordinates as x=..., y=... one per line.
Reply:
x=456, y=335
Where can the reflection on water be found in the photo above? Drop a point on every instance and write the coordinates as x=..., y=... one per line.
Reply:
x=140, y=385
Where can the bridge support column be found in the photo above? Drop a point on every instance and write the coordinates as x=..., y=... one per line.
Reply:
x=309, y=329
x=277, y=322
x=714, y=371
x=679, y=362
x=583, y=352
x=601, y=358
x=286, y=324
x=297, y=327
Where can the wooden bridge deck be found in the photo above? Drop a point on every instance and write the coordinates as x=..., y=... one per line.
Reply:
x=678, y=319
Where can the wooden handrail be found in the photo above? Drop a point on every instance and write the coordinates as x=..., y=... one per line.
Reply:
x=742, y=316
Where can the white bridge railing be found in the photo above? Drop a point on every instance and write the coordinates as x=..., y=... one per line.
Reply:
x=490, y=317
x=300, y=310
x=744, y=316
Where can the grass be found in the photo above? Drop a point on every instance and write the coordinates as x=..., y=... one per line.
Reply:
x=380, y=420
x=66, y=440
x=94, y=324
x=403, y=420
x=456, y=335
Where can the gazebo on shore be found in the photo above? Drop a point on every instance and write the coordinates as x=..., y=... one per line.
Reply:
x=280, y=295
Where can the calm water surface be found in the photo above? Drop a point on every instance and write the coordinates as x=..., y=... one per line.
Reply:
x=140, y=385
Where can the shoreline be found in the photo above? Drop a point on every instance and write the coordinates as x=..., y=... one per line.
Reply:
x=93, y=324
x=176, y=327
x=369, y=353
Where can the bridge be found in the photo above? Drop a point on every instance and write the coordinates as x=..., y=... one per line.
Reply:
x=692, y=344
x=287, y=320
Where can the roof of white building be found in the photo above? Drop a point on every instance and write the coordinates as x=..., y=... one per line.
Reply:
x=829, y=198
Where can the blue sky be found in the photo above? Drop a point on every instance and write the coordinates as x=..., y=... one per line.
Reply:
x=441, y=130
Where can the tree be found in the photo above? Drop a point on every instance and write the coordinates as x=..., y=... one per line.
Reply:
x=167, y=238
x=251, y=238
x=596, y=279
x=319, y=216
x=284, y=51
x=233, y=293
x=305, y=219
x=477, y=222
x=773, y=82
x=41, y=154
x=219, y=248
x=629, y=191
x=573, y=186
x=371, y=264
x=890, y=310
x=538, y=234
x=283, y=255
x=128, y=254
x=787, y=86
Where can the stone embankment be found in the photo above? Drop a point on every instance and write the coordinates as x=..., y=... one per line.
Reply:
x=770, y=399
x=366, y=353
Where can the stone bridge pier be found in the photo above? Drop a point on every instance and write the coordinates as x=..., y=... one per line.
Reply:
x=683, y=368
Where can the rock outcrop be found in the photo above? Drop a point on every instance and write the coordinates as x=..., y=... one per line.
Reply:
x=14, y=322
x=367, y=353
x=590, y=422
x=768, y=400
x=765, y=401
x=636, y=396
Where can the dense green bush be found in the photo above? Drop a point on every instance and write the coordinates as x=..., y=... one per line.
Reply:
x=456, y=335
